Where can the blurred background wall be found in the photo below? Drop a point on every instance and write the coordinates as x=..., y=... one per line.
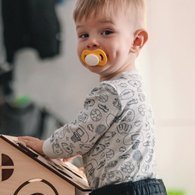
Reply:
x=172, y=55
x=166, y=63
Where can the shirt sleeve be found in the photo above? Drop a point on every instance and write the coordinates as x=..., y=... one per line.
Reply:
x=100, y=109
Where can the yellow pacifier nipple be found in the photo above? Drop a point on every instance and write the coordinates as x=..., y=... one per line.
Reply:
x=94, y=57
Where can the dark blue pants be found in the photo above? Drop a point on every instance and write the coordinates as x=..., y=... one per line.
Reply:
x=142, y=187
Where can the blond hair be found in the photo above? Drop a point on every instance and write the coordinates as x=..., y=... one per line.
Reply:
x=135, y=9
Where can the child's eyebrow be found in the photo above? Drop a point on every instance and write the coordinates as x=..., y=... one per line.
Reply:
x=79, y=26
x=106, y=21
x=102, y=21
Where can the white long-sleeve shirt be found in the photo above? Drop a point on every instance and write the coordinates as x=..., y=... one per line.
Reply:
x=113, y=133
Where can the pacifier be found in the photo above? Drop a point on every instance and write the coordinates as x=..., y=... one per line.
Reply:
x=94, y=57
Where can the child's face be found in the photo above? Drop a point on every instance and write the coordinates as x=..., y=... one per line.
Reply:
x=114, y=35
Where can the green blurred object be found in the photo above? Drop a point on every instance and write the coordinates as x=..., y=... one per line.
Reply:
x=176, y=192
x=22, y=101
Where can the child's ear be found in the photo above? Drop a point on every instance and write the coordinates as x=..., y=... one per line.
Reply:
x=140, y=38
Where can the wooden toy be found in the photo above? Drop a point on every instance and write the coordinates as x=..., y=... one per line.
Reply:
x=25, y=172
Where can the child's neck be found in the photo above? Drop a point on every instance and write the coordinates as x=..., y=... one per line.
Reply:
x=114, y=74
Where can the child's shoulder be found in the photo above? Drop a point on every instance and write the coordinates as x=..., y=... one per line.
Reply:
x=123, y=85
x=125, y=81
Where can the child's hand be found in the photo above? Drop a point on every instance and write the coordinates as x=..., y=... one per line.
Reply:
x=32, y=142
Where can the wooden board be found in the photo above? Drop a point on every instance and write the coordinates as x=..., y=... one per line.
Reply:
x=23, y=172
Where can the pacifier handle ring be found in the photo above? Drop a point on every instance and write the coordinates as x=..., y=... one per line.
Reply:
x=103, y=59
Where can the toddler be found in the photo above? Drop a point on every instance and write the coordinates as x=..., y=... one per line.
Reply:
x=114, y=132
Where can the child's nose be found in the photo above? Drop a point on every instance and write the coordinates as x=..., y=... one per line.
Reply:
x=92, y=44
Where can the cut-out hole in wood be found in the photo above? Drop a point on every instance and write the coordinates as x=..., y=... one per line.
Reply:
x=29, y=187
x=6, y=167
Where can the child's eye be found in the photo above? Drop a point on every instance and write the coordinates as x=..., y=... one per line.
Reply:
x=107, y=32
x=83, y=36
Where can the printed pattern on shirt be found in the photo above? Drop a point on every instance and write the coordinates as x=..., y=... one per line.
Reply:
x=113, y=132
